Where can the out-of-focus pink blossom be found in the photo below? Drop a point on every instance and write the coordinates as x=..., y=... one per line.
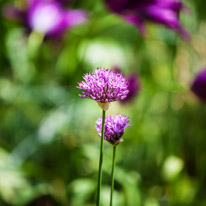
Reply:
x=47, y=16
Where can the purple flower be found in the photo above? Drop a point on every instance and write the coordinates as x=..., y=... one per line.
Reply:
x=133, y=87
x=137, y=12
x=104, y=86
x=114, y=128
x=199, y=85
x=48, y=17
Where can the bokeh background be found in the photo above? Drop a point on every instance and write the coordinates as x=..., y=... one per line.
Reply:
x=49, y=148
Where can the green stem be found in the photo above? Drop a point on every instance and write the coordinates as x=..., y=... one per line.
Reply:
x=112, y=175
x=101, y=160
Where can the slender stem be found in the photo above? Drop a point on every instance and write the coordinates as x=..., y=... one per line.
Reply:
x=112, y=175
x=101, y=160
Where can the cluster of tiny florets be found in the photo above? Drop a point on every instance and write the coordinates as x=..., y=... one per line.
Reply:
x=114, y=128
x=104, y=85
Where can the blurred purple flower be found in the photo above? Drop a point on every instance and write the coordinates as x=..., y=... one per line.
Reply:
x=114, y=128
x=137, y=12
x=47, y=16
x=199, y=85
x=104, y=86
x=133, y=87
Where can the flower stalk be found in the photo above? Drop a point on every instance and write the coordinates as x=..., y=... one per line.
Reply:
x=101, y=159
x=112, y=175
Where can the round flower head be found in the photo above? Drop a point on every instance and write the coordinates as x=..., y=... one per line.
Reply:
x=114, y=128
x=199, y=86
x=104, y=86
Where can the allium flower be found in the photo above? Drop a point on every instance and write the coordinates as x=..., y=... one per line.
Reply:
x=104, y=86
x=47, y=16
x=199, y=85
x=114, y=128
x=137, y=12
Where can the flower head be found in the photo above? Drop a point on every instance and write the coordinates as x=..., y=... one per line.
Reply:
x=47, y=17
x=114, y=128
x=104, y=86
x=199, y=86
x=137, y=12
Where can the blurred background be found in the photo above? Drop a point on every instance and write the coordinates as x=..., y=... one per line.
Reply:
x=49, y=148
